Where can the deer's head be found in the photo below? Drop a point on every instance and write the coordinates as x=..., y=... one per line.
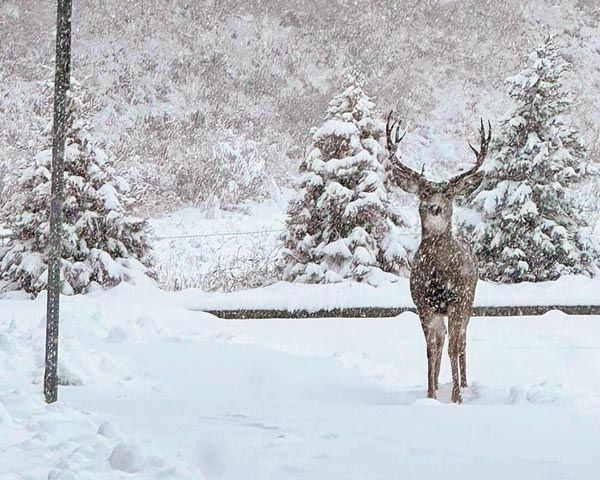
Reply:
x=436, y=198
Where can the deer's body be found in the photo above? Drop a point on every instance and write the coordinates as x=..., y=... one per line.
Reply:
x=442, y=283
x=448, y=269
x=444, y=272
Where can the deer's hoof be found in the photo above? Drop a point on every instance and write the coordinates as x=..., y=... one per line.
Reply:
x=431, y=394
x=456, y=397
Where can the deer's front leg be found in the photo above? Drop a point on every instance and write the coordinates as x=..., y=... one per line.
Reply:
x=431, y=329
x=440, y=338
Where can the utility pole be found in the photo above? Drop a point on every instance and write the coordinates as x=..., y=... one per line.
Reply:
x=61, y=86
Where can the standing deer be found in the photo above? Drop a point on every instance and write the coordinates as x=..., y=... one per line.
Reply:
x=444, y=272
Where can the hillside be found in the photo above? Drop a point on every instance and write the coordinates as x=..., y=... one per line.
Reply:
x=166, y=81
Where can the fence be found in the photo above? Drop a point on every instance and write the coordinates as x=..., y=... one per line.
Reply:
x=381, y=312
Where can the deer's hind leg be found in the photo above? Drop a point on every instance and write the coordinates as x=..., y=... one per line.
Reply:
x=455, y=327
x=462, y=357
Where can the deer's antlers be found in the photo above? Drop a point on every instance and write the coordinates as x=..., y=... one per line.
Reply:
x=400, y=171
x=484, y=143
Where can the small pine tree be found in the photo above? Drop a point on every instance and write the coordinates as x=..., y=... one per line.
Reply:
x=532, y=225
x=98, y=234
x=341, y=224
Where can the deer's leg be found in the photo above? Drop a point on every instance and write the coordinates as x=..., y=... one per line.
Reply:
x=440, y=337
x=454, y=325
x=462, y=357
x=432, y=354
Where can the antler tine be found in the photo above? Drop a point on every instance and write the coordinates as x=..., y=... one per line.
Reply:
x=393, y=138
x=399, y=137
x=392, y=143
x=484, y=143
x=388, y=131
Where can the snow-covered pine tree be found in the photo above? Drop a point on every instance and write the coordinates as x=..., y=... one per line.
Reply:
x=99, y=237
x=341, y=224
x=533, y=228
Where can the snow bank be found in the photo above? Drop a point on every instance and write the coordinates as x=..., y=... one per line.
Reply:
x=127, y=457
x=573, y=290
x=61, y=441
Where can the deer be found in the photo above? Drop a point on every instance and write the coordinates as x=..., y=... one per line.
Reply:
x=444, y=272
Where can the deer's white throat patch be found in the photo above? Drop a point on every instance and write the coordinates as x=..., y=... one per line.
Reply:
x=435, y=223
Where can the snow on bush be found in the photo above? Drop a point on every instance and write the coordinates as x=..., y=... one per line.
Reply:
x=238, y=172
x=341, y=224
x=98, y=233
x=533, y=225
x=216, y=167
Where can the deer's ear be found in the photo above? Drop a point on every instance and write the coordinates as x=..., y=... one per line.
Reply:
x=467, y=185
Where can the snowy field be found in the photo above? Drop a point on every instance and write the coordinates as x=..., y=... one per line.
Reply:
x=157, y=391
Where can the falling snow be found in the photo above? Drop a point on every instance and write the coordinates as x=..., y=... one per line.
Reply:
x=227, y=156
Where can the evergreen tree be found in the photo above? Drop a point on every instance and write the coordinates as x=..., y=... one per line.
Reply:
x=98, y=235
x=533, y=228
x=341, y=224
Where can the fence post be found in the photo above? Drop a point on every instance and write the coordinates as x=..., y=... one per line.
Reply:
x=61, y=86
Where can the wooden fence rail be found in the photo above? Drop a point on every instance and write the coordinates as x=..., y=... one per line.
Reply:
x=382, y=312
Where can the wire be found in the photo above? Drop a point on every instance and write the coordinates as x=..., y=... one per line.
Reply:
x=222, y=234
x=219, y=234
x=231, y=234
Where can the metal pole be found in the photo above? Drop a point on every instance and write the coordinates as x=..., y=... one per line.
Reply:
x=61, y=86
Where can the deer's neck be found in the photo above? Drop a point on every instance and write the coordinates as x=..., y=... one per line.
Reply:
x=428, y=238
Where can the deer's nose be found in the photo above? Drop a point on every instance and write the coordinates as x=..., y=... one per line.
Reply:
x=435, y=209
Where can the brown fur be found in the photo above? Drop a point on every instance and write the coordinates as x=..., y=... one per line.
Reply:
x=444, y=272
x=442, y=283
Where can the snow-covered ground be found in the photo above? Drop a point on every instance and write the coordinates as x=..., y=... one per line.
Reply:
x=156, y=389
x=164, y=392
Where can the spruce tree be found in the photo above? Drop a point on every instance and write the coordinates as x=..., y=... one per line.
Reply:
x=341, y=224
x=98, y=234
x=533, y=228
